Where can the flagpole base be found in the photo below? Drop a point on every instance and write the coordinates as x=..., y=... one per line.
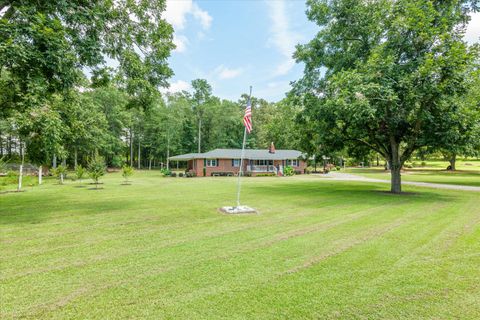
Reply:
x=237, y=210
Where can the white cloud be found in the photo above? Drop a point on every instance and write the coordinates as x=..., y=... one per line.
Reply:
x=176, y=14
x=473, y=31
x=181, y=42
x=227, y=73
x=177, y=86
x=177, y=11
x=282, y=37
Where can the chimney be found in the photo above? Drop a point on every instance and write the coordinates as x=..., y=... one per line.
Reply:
x=271, y=149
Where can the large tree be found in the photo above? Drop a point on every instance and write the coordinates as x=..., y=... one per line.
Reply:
x=45, y=45
x=384, y=73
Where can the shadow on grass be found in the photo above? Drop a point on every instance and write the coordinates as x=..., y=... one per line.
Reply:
x=347, y=192
x=33, y=210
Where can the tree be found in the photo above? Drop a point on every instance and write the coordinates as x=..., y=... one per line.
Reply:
x=79, y=172
x=46, y=44
x=127, y=172
x=385, y=73
x=462, y=136
x=60, y=172
x=96, y=169
x=201, y=96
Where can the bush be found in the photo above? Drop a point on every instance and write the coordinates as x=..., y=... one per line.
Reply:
x=11, y=178
x=190, y=174
x=222, y=174
x=3, y=165
x=408, y=166
x=127, y=171
x=117, y=161
x=180, y=174
x=97, y=169
x=173, y=174
x=338, y=168
x=288, y=171
x=166, y=172
x=423, y=164
x=268, y=174
x=80, y=172
x=60, y=172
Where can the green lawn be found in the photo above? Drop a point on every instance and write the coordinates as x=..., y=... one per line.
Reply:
x=319, y=249
x=470, y=177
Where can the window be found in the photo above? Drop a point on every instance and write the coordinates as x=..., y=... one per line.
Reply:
x=263, y=162
x=292, y=162
x=235, y=162
x=212, y=162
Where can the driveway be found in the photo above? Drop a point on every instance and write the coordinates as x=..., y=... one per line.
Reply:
x=340, y=176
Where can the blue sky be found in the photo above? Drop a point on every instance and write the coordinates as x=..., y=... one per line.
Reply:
x=237, y=43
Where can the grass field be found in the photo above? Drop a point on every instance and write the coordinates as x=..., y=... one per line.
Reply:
x=467, y=173
x=159, y=249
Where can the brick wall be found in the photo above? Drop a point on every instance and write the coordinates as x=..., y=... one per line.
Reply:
x=225, y=165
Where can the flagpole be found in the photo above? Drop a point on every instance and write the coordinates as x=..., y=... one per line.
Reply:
x=240, y=173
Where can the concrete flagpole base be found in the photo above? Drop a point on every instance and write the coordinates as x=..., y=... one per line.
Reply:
x=237, y=210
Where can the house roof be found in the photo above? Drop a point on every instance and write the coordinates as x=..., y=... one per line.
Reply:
x=251, y=154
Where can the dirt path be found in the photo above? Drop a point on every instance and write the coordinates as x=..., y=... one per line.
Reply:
x=352, y=177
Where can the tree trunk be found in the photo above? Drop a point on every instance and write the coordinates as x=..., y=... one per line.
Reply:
x=168, y=153
x=453, y=160
x=199, y=135
x=131, y=148
x=20, y=176
x=150, y=163
x=138, y=160
x=54, y=161
x=395, y=167
x=75, y=158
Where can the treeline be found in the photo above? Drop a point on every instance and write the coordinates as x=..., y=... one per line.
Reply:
x=98, y=118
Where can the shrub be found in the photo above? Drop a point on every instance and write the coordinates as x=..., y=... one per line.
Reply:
x=173, y=174
x=222, y=174
x=409, y=166
x=127, y=171
x=423, y=164
x=338, y=168
x=190, y=174
x=166, y=172
x=79, y=172
x=117, y=161
x=3, y=165
x=96, y=169
x=288, y=171
x=268, y=174
x=180, y=174
x=60, y=172
x=11, y=178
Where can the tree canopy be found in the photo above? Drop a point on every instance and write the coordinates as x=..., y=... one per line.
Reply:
x=385, y=74
x=45, y=45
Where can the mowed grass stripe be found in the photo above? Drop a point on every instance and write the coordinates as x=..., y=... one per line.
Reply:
x=200, y=264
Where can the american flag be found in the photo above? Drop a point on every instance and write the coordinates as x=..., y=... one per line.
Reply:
x=247, y=118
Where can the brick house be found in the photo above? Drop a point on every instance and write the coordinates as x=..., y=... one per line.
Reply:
x=255, y=161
